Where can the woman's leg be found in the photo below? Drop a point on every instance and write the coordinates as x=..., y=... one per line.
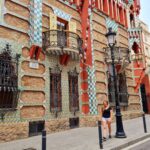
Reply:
x=109, y=127
x=104, y=124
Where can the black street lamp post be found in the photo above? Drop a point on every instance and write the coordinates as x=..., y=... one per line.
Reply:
x=119, y=125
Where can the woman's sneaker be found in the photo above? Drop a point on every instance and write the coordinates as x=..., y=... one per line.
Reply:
x=110, y=136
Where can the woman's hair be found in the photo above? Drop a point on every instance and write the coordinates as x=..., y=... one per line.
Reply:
x=105, y=101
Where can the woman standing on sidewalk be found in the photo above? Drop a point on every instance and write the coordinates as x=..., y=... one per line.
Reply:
x=106, y=114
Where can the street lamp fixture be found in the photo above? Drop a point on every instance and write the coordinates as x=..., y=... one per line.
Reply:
x=111, y=37
x=114, y=59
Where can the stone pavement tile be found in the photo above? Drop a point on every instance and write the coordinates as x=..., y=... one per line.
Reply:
x=81, y=138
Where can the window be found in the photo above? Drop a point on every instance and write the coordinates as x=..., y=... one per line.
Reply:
x=121, y=85
x=55, y=90
x=73, y=91
x=122, y=88
x=61, y=26
x=8, y=79
x=36, y=127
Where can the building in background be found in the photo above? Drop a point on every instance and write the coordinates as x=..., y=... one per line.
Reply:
x=145, y=85
x=139, y=45
x=52, y=63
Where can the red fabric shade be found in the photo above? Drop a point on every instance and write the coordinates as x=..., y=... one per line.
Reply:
x=35, y=52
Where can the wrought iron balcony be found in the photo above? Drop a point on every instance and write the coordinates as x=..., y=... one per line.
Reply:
x=56, y=42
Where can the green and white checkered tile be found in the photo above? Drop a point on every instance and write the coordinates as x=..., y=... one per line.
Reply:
x=92, y=91
x=91, y=74
x=132, y=40
x=111, y=24
x=130, y=2
x=62, y=14
x=36, y=22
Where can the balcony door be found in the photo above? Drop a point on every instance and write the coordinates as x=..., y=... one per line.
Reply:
x=61, y=36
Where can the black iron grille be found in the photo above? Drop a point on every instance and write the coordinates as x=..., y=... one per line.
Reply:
x=8, y=79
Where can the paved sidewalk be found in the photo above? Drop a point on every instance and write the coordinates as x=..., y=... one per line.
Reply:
x=83, y=138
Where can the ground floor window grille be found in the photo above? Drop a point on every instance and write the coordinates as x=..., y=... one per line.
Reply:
x=73, y=91
x=55, y=90
x=8, y=79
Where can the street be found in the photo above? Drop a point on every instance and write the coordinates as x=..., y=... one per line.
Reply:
x=142, y=145
x=84, y=138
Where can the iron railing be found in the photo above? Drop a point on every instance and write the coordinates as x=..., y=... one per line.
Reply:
x=61, y=39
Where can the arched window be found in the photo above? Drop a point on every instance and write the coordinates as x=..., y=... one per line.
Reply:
x=8, y=79
x=132, y=20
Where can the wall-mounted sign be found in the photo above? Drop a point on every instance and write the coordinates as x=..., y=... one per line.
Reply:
x=34, y=65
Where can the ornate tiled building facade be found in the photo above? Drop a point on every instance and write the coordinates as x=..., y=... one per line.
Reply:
x=62, y=74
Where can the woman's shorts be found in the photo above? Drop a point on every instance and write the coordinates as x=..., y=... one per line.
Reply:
x=106, y=119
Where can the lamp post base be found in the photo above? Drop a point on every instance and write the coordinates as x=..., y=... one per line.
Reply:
x=119, y=125
x=120, y=135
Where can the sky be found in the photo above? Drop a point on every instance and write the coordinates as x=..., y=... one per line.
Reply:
x=145, y=11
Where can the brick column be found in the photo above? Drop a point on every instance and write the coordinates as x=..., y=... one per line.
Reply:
x=88, y=70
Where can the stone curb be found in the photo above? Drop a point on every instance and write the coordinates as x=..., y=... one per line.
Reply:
x=131, y=142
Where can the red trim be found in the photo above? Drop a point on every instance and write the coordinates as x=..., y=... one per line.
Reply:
x=110, y=9
x=105, y=6
x=125, y=18
x=115, y=11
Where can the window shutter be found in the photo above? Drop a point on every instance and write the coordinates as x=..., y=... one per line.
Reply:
x=53, y=21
